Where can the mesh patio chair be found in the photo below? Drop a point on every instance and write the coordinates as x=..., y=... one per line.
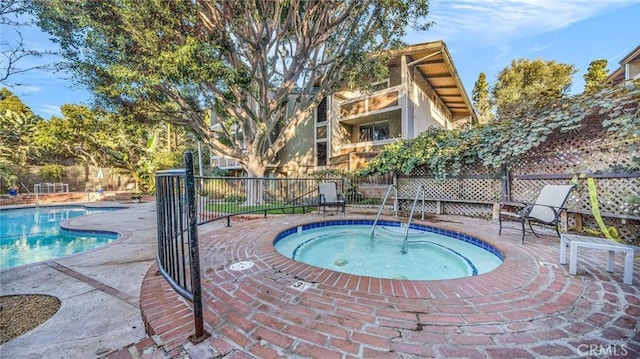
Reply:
x=545, y=210
x=329, y=197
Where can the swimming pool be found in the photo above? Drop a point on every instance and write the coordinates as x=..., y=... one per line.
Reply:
x=346, y=246
x=30, y=235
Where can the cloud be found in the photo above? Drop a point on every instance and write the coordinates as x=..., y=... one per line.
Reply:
x=24, y=89
x=492, y=21
x=52, y=110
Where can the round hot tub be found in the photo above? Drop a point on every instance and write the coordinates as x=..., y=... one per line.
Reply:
x=427, y=253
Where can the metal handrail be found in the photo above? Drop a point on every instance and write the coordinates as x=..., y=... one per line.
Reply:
x=413, y=208
x=384, y=201
x=29, y=194
x=295, y=200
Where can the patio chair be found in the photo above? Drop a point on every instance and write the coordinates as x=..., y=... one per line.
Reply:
x=329, y=197
x=545, y=210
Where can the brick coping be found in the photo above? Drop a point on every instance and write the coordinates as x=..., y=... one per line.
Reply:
x=506, y=277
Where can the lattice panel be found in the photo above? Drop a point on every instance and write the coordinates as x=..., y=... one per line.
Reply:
x=468, y=209
x=614, y=194
x=464, y=188
x=464, y=209
x=586, y=151
x=481, y=189
x=429, y=206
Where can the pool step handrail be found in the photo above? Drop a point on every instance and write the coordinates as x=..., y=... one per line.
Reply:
x=295, y=200
x=413, y=209
x=384, y=201
x=29, y=194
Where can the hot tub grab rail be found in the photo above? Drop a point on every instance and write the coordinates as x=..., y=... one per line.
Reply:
x=384, y=201
x=413, y=209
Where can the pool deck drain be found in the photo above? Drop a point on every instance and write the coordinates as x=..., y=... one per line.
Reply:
x=240, y=266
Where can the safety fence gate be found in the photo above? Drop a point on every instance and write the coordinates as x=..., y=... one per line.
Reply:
x=178, y=256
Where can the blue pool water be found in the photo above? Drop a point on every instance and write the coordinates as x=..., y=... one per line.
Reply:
x=346, y=246
x=31, y=235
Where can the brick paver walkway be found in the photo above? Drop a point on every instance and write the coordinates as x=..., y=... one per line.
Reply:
x=529, y=307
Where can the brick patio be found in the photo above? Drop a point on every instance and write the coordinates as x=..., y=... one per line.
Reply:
x=529, y=307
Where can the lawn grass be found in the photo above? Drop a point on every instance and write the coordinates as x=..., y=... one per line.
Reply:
x=271, y=208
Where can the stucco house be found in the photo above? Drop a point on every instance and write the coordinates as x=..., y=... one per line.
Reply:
x=349, y=128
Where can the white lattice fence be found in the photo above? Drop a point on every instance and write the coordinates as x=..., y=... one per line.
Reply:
x=449, y=207
x=429, y=206
x=591, y=152
x=470, y=195
x=468, y=189
x=587, y=150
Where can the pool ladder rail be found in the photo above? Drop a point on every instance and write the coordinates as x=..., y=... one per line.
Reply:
x=384, y=201
x=421, y=190
x=35, y=193
x=413, y=209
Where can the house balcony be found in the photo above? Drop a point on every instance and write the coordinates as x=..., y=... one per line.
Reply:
x=369, y=107
x=225, y=163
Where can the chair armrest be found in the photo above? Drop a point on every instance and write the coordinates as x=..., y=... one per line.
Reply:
x=321, y=198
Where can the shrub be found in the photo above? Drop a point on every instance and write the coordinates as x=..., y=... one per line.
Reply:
x=52, y=172
x=235, y=198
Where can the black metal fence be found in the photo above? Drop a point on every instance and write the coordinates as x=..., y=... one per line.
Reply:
x=178, y=257
x=220, y=197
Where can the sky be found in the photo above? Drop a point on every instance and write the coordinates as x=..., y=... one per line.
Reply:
x=481, y=35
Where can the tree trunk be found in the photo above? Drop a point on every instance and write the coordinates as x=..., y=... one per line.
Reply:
x=255, y=173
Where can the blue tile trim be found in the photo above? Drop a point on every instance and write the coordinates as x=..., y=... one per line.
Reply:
x=89, y=232
x=345, y=222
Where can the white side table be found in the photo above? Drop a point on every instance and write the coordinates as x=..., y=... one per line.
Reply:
x=576, y=241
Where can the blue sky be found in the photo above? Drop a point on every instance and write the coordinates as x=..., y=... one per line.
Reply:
x=482, y=36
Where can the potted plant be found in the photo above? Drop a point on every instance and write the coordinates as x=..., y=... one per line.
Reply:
x=12, y=184
x=99, y=188
x=13, y=190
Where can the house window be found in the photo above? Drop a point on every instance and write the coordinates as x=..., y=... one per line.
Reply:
x=374, y=132
x=321, y=132
x=321, y=150
x=321, y=111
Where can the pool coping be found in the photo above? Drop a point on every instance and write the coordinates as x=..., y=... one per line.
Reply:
x=66, y=226
x=507, y=277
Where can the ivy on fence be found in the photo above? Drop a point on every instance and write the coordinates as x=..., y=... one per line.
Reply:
x=495, y=145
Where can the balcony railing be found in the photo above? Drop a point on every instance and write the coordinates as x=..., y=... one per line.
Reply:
x=375, y=102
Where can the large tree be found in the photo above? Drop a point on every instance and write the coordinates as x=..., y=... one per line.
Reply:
x=261, y=67
x=530, y=84
x=15, y=55
x=102, y=139
x=18, y=126
x=80, y=134
x=596, y=76
x=9, y=101
x=482, y=99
